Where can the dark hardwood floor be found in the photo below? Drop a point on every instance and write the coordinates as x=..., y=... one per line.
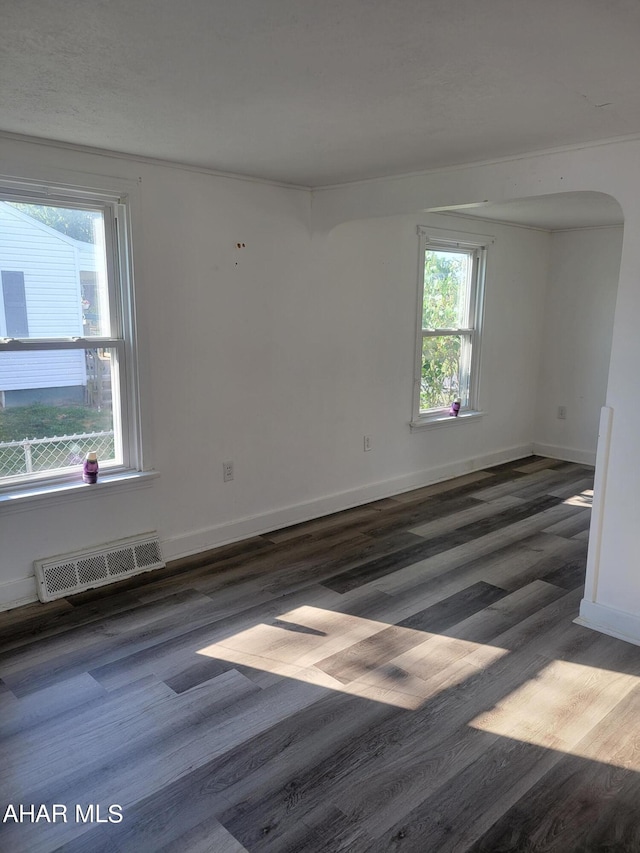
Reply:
x=404, y=676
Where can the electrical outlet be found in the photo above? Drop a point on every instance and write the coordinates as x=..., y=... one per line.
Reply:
x=227, y=471
x=367, y=443
x=562, y=412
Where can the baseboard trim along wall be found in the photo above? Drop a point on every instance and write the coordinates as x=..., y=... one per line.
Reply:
x=567, y=454
x=198, y=541
x=17, y=592
x=607, y=620
x=23, y=590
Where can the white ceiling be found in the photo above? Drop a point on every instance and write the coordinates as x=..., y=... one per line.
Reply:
x=316, y=92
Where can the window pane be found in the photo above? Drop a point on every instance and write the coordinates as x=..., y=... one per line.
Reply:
x=447, y=277
x=445, y=371
x=53, y=265
x=15, y=304
x=56, y=406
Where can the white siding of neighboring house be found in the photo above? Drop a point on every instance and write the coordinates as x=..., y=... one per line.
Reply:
x=86, y=256
x=49, y=263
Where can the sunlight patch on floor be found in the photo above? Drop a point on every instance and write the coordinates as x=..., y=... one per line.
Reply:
x=415, y=665
x=584, y=499
x=559, y=707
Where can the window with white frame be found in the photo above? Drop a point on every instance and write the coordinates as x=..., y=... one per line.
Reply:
x=450, y=299
x=67, y=345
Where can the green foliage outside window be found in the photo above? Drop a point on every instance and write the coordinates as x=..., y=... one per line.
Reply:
x=445, y=306
x=440, y=382
x=78, y=224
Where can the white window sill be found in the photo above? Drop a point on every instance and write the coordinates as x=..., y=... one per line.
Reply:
x=444, y=419
x=23, y=497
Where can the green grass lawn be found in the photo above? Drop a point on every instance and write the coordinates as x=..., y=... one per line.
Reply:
x=40, y=421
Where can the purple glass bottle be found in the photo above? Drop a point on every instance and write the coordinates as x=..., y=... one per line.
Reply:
x=455, y=408
x=90, y=468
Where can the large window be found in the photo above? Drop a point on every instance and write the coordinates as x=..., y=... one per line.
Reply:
x=451, y=280
x=67, y=375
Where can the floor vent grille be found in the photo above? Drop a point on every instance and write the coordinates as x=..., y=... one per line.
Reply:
x=68, y=574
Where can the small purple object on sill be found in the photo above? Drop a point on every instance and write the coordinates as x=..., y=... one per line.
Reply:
x=455, y=408
x=90, y=468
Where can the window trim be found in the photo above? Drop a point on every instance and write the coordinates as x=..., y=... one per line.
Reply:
x=436, y=238
x=116, y=207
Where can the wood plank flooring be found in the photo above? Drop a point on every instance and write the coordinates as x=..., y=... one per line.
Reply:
x=405, y=676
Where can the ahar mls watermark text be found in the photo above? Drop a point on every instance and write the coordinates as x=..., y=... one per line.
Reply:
x=59, y=813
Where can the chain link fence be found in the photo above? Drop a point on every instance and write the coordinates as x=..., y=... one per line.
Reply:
x=45, y=454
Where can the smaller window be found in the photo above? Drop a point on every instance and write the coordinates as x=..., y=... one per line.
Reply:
x=15, y=305
x=450, y=312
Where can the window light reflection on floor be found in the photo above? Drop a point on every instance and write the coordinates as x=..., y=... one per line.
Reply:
x=343, y=652
x=560, y=707
x=584, y=499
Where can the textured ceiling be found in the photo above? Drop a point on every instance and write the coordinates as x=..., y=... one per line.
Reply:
x=316, y=92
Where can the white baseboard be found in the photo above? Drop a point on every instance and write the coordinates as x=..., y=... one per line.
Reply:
x=15, y=593
x=568, y=454
x=205, y=539
x=607, y=620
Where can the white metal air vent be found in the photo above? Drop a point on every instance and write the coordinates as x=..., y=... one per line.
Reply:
x=67, y=574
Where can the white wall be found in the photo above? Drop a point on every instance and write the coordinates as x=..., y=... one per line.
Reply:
x=279, y=356
x=584, y=271
x=223, y=362
x=612, y=596
x=370, y=271
x=269, y=356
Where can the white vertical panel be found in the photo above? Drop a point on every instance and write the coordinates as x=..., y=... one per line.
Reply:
x=599, y=497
